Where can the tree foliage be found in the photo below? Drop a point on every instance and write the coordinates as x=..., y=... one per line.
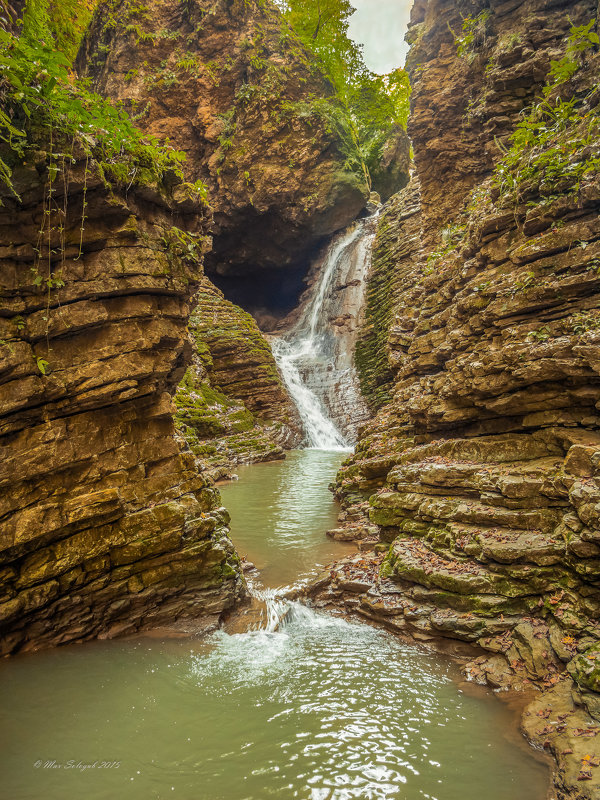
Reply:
x=374, y=104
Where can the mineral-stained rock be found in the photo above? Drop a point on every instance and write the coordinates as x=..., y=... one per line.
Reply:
x=105, y=524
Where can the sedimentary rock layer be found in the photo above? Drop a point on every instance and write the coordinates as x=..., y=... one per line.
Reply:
x=481, y=467
x=231, y=405
x=106, y=526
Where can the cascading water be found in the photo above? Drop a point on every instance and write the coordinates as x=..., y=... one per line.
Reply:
x=315, y=356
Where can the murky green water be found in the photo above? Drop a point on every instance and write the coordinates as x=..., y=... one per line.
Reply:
x=280, y=511
x=320, y=710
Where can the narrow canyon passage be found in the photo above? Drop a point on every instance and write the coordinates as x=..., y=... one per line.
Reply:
x=320, y=708
x=284, y=701
x=300, y=399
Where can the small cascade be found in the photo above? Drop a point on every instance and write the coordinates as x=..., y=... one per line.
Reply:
x=316, y=355
x=281, y=613
x=277, y=609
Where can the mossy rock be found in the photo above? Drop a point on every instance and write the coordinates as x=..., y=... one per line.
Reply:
x=585, y=668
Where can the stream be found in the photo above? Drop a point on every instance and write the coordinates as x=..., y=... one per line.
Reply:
x=321, y=709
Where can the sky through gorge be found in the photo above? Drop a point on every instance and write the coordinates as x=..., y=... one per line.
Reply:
x=380, y=26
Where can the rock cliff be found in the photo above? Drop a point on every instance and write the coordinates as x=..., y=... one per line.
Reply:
x=109, y=524
x=230, y=85
x=479, y=474
x=106, y=526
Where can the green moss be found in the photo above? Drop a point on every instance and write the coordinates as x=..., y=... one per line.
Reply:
x=585, y=669
x=371, y=353
x=552, y=150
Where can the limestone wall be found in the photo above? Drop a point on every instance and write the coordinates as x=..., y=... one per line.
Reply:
x=105, y=525
x=480, y=471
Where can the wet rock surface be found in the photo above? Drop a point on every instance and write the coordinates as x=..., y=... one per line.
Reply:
x=106, y=525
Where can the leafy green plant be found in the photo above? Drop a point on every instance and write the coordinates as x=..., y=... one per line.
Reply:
x=41, y=105
x=555, y=144
x=541, y=335
x=371, y=104
x=584, y=321
x=188, y=64
x=473, y=28
x=42, y=364
x=450, y=238
x=581, y=38
x=183, y=245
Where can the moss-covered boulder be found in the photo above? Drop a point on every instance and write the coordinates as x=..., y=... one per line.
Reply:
x=231, y=404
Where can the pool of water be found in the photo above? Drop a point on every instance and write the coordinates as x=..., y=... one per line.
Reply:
x=320, y=709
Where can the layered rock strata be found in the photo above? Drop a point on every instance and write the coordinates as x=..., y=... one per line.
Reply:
x=106, y=525
x=231, y=86
x=479, y=475
x=231, y=405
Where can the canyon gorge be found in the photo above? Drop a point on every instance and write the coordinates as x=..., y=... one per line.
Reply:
x=413, y=315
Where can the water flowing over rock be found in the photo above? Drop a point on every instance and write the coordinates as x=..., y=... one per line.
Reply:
x=316, y=355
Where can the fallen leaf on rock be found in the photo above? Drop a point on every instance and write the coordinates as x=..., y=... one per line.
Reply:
x=585, y=732
x=545, y=729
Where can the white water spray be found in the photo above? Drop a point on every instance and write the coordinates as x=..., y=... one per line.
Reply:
x=315, y=356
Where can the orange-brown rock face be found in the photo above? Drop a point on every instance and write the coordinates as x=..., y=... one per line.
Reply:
x=106, y=526
x=229, y=84
x=480, y=472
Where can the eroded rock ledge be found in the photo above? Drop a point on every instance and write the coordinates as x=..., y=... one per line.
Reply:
x=106, y=526
x=229, y=84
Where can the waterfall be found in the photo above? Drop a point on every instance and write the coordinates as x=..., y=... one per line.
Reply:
x=281, y=613
x=316, y=355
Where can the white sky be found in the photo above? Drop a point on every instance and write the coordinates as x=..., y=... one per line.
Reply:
x=380, y=26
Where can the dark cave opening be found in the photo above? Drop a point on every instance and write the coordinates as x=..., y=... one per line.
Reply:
x=269, y=295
